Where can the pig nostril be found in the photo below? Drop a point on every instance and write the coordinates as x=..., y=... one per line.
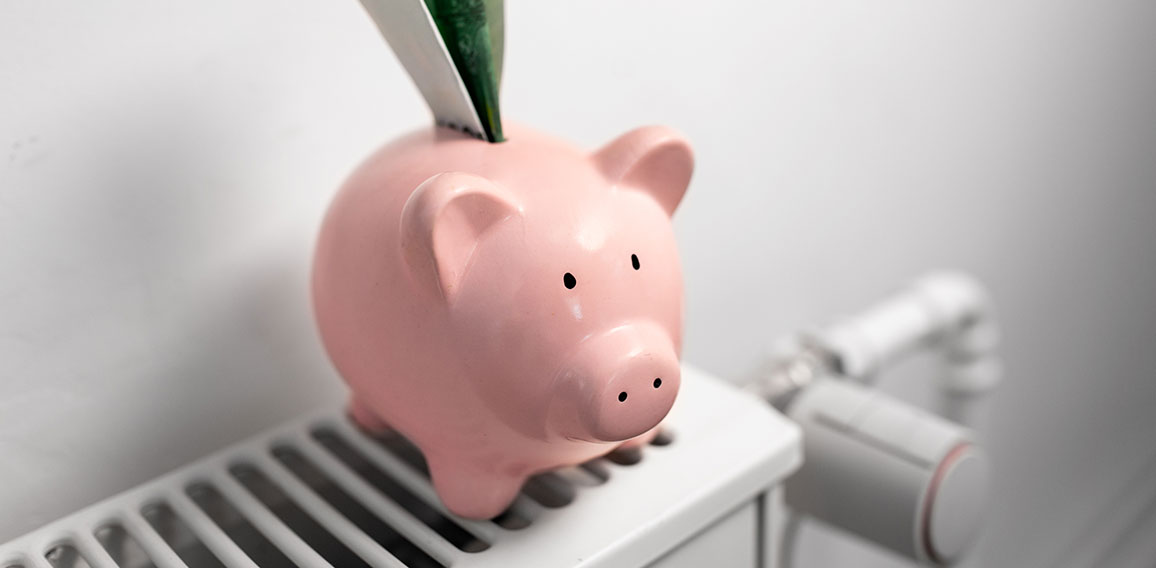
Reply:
x=657, y=383
x=622, y=396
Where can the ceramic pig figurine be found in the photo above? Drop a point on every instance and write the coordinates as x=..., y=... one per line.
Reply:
x=510, y=308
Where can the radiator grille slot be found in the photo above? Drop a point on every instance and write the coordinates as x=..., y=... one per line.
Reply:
x=597, y=469
x=179, y=537
x=347, y=505
x=550, y=490
x=66, y=556
x=254, y=544
x=322, y=541
x=664, y=437
x=441, y=524
x=399, y=446
x=629, y=456
x=122, y=547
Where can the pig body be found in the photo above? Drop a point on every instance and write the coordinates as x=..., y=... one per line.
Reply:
x=510, y=308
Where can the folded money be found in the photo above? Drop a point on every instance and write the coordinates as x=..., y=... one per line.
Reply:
x=453, y=50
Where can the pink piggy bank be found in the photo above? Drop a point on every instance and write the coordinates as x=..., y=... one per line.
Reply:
x=510, y=308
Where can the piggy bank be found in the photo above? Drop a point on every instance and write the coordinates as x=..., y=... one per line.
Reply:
x=510, y=308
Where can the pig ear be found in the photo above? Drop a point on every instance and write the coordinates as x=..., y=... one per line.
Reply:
x=442, y=223
x=653, y=159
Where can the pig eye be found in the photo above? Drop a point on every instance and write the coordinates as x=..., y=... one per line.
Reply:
x=634, y=261
x=569, y=281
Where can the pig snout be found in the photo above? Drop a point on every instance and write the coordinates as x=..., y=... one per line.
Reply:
x=635, y=374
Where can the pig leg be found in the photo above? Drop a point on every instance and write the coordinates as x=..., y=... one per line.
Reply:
x=472, y=492
x=366, y=418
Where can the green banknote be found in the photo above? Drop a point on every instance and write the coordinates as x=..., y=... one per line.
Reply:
x=474, y=35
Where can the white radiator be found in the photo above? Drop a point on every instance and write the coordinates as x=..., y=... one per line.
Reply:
x=317, y=492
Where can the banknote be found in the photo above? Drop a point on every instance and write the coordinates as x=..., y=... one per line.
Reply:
x=453, y=50
x=473, y=32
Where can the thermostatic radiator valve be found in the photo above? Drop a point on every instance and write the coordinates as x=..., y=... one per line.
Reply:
x=889, y=472
x=874, y=466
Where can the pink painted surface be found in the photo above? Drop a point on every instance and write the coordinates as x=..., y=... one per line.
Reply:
x=510, y=308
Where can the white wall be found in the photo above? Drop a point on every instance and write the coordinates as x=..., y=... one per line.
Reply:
x=163, y=167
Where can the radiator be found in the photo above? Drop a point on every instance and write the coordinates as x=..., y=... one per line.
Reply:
x=318, y=492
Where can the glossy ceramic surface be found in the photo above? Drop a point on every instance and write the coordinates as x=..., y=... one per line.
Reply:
x=508, y=307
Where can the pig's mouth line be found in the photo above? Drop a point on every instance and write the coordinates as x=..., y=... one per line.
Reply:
x=593, y=442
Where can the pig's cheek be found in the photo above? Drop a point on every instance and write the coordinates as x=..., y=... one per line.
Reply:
x=507, y=349
x=571, y=395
